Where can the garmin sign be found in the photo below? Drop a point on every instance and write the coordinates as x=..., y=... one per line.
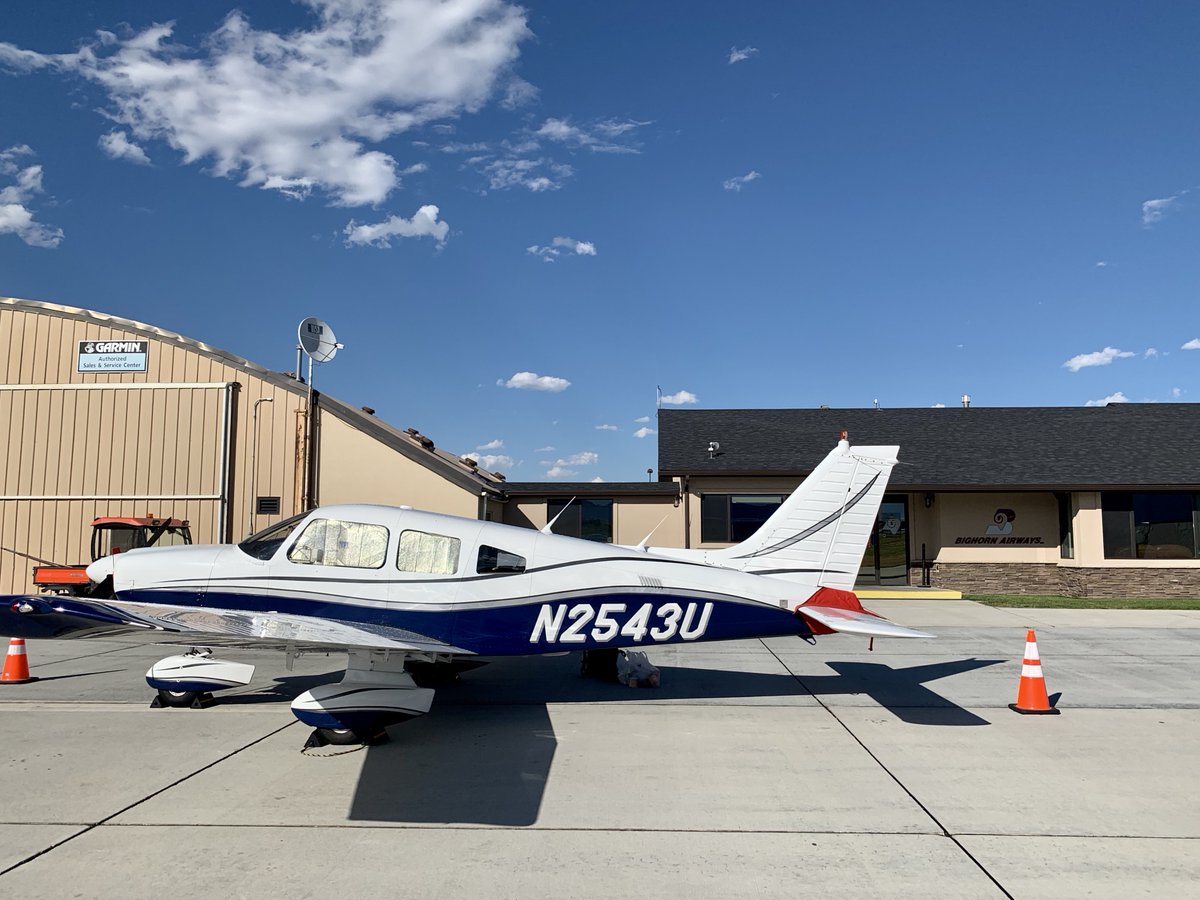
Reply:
x=112, y=356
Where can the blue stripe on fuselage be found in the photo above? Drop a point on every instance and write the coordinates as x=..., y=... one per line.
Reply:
x=506, y=630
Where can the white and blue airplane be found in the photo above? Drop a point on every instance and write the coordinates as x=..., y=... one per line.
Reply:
x=393, y=586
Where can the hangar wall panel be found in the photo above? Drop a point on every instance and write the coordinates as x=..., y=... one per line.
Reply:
x=356, y=468
x=153, y=442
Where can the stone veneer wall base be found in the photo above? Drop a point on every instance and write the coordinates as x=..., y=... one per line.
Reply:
x=1048, y=578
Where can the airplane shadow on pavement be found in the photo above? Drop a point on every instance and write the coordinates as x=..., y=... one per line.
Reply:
x=484, y=753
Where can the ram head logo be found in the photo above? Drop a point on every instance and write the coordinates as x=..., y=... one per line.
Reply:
x=1002, y=522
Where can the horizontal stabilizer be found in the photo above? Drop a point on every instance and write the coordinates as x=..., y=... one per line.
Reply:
x=852, y=622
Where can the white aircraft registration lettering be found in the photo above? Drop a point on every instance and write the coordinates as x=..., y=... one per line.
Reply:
x=689, y=622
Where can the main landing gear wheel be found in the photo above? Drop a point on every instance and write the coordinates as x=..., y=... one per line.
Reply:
x=339, y=736
x=178, y=698
x=346, y=737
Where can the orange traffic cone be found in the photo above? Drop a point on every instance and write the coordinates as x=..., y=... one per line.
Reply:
x=16, y=664
x=1031, y=695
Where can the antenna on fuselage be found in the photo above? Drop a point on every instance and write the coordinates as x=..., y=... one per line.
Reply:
x=642, y=544
x=550, y=524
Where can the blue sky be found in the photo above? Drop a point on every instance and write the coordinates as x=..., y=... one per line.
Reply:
x=751, y=205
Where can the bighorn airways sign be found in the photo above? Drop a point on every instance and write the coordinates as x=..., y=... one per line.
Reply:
x=112, y=356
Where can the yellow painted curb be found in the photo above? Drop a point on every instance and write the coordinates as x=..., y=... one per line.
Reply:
x=907, y=593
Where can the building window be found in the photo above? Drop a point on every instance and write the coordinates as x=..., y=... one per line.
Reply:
x=332, y=542
x=1150, y=526
x=427, y=554
x=591, y=520
x=732, y=518
x=1066, y=527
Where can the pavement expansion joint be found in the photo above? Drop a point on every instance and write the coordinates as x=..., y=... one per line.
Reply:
x=149, y=796
x=925, y=809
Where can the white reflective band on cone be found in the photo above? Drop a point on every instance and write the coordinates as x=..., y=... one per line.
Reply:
x=1031, y=672
x=1031, y=651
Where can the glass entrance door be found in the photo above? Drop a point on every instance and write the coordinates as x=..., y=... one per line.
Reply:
x=885, y=561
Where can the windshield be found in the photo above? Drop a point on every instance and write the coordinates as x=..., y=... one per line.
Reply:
x=264, y=544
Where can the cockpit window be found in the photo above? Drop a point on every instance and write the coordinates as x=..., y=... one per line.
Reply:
x=264, y=544
x=334, y=542
x=427, y=554
x=492, y=559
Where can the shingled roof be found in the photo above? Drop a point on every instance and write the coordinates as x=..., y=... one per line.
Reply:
x=1126, y=445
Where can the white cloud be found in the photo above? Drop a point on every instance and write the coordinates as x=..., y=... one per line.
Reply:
x=581, y=248
x=607, y=427
x=536, y=175
x=415, y=168
x=559, y=472
x=1176, y=393
x=558, y=245
x=607, y=136
x=544, y=450
x=938, y=406
x=1101, y=264
x=1118, y=397
x=116, y=145
x=736, y=184
x=737, y=54
x=680, y=398
x=1150, y=352
x=489, y=462
x=423, y=223
x=641, y=420
x=1154, y=210
x=644, y=431
x=584, y=458
x=1099, y=358
x=531, y=381
x=491, y=445
x=298, y=109
x=517, y=93
x=597, y=480
x=458, y=147
x=1193, y=344
x=16, y=216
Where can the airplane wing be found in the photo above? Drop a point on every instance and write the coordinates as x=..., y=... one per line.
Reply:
x=36, y=616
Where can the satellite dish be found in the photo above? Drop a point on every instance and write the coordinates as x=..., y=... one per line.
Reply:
x=317, y=340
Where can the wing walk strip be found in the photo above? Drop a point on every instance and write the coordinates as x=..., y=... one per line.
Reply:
x=925, y=809
x=150, y=796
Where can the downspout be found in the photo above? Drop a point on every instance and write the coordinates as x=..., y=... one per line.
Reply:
x=223, y=524
x=687, y=513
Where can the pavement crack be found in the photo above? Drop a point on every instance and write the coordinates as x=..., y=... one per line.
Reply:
x=925, y=809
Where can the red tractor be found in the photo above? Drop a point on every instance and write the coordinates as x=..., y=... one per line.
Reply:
x=112, y=534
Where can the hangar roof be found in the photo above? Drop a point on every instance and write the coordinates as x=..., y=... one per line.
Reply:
x=591, y=488
x=1122, y=445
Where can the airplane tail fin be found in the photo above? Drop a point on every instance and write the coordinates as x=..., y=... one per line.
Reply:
x=819, y=533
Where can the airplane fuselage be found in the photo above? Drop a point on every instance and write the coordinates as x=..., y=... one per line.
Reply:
x=454, y=585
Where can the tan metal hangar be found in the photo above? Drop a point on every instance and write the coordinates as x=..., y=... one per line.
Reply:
x=103, y=416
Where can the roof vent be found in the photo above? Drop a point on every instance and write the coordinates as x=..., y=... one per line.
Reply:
x=412, y=431
x=966, y=401
x=467, y=461
x=368, y=410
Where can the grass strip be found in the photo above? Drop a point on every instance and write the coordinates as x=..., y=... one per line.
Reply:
x=1049, y=601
